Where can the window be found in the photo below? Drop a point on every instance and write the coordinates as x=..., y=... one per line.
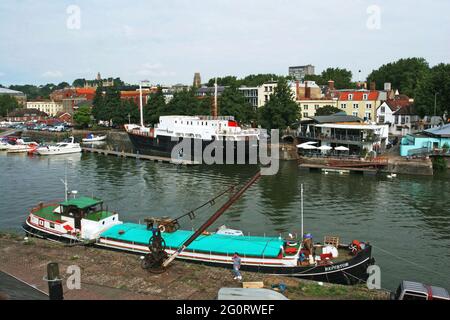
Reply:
x=383, y=109
x=305, y=114
x=350, y=96
x=368, y=116
x=52, y=225
x=343, y=105
x=355, y=106
x=305, y=107
x=355, y=113
x=365, y=96
x=381, y=119
x=316, y=106
x=368, y=106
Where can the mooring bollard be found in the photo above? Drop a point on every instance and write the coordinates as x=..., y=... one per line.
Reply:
x=55, y=288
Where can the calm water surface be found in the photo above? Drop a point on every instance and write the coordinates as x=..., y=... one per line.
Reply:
x=407, y=219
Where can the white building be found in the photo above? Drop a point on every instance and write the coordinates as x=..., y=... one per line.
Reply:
x=49, y=107
x=385, y=113
x=265, y=91
x=251, y=95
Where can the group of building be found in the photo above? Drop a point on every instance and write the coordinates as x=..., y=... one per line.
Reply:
x=384, y=112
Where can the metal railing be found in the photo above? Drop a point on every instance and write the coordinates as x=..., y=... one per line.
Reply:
x=339, y=137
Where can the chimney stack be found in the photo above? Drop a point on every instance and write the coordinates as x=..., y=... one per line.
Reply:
x=331, y=85
x=307, y=91
x=373, y=86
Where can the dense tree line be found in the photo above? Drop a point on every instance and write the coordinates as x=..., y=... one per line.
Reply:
x=342, y=78
x=404, y=75
x=430, y=87
x=252, y=80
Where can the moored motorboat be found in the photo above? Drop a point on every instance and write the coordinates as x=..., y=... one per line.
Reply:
x=65, y=147
x=93, y=138
x=20, y=146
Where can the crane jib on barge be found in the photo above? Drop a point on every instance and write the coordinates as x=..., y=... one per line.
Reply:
x=161, y=241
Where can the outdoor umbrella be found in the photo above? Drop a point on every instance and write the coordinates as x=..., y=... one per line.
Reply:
x=308, y=147
x=325, y=148
x=341, y=148
x=306, y=144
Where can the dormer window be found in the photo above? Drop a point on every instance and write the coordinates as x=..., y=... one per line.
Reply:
x=365, y=96
x=350, y=96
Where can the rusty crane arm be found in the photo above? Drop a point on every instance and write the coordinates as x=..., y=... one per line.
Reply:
x=213, y=218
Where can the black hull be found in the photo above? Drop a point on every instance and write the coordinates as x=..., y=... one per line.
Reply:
x=163, y=145
x=349, y=272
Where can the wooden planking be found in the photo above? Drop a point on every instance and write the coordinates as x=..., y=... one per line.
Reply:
x=253, y=285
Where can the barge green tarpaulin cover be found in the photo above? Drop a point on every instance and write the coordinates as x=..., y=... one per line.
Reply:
x=215, y=243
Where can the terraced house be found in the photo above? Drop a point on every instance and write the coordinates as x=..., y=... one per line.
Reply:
x=360, y=103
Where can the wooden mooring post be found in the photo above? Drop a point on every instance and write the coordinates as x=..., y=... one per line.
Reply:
x=55, y=289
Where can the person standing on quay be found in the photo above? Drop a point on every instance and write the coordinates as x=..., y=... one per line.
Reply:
x=237, y=266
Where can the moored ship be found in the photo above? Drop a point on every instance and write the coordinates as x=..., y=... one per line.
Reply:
x=223, y=134
x=86, y=219
x=198, y=131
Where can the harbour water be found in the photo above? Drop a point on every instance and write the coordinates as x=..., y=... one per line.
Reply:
x=407, y=218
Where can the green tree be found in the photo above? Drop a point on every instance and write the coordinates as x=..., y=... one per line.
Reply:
x=62, y=85
x=435, y=85
x=233, y=103
x=255, y=80
x=7, y=104
x=112, y=107
x=79, y=83
x=225, y=81
x=98, y=104
x=342, y=78
x=327, y=110
x=404, y=75
x=184, y=103
x=82, y=117
x=281, y=110
x=155, y=107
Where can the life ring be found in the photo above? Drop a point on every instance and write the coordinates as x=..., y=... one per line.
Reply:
x=162, y=228
x=353, y=248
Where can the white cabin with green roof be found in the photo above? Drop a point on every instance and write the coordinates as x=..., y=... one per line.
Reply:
x=81, y=218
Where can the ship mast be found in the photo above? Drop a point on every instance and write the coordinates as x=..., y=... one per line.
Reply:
x=215, y=111
x=141, y=104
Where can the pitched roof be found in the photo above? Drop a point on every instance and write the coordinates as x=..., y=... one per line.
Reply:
x=358, y=95
x=336, y=118
x=82, y=202
x=441, y=131
x=406, y=110
x=398, y=103
x=9, y=91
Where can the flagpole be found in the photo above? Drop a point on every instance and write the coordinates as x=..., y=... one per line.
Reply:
x=301, y=208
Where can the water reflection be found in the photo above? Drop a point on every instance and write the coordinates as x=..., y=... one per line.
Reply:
x=408, y=216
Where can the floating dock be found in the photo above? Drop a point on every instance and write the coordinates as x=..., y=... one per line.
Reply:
x=340, y=170
x=139, y=156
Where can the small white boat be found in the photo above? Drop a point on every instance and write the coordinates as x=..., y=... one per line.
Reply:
x=93, y=138
x=3, y=146
x=21, y=146
x=60, y=148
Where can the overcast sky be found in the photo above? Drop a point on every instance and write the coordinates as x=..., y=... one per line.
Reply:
x=167, y=41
